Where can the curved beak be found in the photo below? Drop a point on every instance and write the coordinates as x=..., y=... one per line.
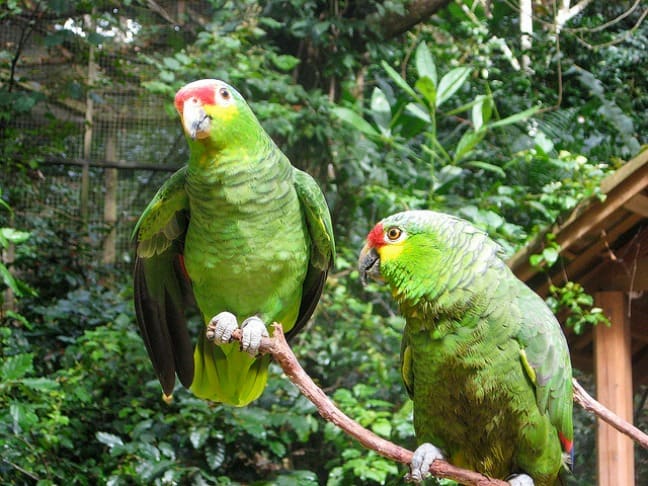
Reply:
x=369, y=264
x=195, y=121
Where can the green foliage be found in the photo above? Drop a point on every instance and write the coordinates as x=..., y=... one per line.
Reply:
x=578, y=305
x=453, y=160
x=382, y=418
x=439, y=117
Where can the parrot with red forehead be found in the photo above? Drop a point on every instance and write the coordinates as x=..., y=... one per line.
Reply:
x=238, y=231
x=482, y=357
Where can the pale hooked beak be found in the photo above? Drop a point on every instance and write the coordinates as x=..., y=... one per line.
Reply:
x=195, y=121
x=369, y=264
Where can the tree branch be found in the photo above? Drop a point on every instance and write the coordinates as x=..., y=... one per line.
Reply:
x=416, y=11
x=278, y=347
x=588, y=403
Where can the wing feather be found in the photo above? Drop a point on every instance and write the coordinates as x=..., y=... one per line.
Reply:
x=545, y=356
x=320, y=230
x=161, y=286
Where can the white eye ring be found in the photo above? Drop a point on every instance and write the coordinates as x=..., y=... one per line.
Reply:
x=224, y=96
x=394, y=234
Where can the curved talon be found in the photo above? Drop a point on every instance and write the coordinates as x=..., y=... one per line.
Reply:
x=220, y=327
x=253, y=330
x=520, y=480
x=423, y=457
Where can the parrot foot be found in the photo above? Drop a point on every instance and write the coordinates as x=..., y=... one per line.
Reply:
x=423, y=457
x=520, y=480
x=253, y=330
x=220, y=327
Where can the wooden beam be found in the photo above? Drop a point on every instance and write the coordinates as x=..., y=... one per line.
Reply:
x=613, y=368
x=619, y=187
x=591, y=258
x=598, y=212
x=638, y=204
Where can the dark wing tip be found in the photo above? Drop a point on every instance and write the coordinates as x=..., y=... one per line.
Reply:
x=313, y=286
x=163, y=328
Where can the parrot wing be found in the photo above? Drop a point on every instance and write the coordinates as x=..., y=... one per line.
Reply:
x=161, y=285
x=322, y=256
x=545, y=356
x=407, y=373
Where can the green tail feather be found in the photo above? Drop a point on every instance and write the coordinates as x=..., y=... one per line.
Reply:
x=225, y=374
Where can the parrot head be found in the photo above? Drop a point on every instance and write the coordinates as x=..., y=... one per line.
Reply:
x=389, y=245
x=415, y=252
x=213, y=112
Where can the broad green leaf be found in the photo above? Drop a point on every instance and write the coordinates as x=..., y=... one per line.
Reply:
x=426, y=87
x=550, y=255
x=380, y=110
x=198, y=436
x=40, y=384
x=111, y=440
x=9, y=280
x=23, y=415
x=545, y=143
x=215, y=456
x=172, y=63
x=284, y=62
x=517, y=117
x=425, y=63
x=467, y=143
x=382, y=427
x=17, y=366
x=450, y=83
x=418, y=112
x=13, y=235
x=481, y=111
x=487, y=167
x=397, y=78
x=278, y=448
x=356, y=120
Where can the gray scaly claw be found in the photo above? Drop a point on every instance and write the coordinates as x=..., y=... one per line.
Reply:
x=423, y=457
x=520, y=480
x=220, y=327
x=253, y=330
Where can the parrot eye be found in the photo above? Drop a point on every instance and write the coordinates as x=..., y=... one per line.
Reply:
x=225, y=95
x=394, y=234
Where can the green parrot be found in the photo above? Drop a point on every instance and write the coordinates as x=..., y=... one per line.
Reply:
x=238, y=231
x=482, y=357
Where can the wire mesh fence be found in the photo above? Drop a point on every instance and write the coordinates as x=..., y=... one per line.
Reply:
x=105, y=144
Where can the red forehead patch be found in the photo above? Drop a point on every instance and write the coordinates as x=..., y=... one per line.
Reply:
x=204, y=90
x=375, y=237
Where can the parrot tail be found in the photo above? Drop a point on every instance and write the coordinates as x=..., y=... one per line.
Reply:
x=225, y=374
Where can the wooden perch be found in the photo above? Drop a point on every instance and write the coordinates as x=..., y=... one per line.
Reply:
x=278, y=347
x=588, y=403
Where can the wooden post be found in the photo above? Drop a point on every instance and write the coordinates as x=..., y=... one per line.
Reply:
x=613, y=367
x=110, y=202
x=87, y=134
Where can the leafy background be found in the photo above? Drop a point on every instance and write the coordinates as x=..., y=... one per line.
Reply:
x=435, y=115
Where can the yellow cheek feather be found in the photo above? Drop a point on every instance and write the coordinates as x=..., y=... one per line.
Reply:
x=390, y=251
x=221, y=113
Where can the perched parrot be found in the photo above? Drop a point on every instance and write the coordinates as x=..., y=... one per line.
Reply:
x=482, y=357
x=240, y=232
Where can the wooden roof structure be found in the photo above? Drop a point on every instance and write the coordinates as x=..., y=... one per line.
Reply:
x=604, y=247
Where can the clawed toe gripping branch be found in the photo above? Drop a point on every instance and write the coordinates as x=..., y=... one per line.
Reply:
x=278, y=347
